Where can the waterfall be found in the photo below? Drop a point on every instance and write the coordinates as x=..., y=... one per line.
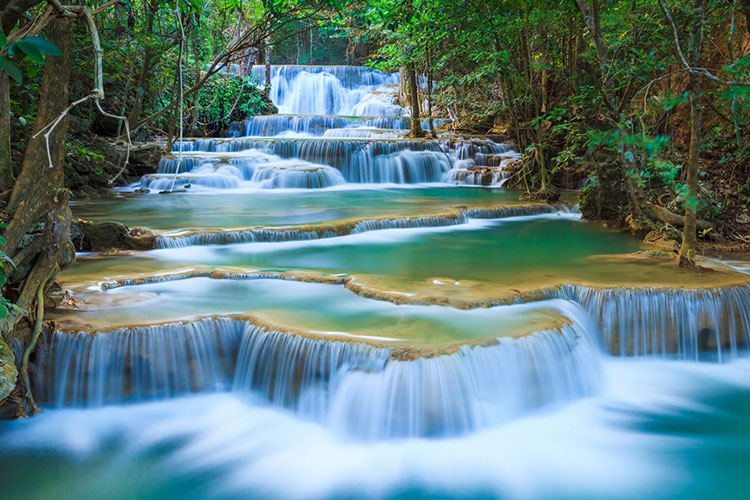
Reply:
x=468, y=390
x=318, y=125
x=341, y=126
x=332, y=90
x=240, y=236
x=408, y=222
x=135, y=364
x=319, y=163
x=359, y=389
x=296, y=175
x=218, y=237
x=511, y=211
x=298, y=372
x=181, y=240
x=689, y=324
x=478, y=176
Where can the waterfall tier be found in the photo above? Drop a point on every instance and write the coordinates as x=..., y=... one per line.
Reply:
x=690, y=324
x=334, y=229
x=261, y=162
x=332, y=90
x=327, y=380
x=318, y=125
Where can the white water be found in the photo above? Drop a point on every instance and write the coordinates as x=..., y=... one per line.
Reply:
x=341, y=126
x=351, y=386
x=653, y=432
x=688, y=324
x=333, y=90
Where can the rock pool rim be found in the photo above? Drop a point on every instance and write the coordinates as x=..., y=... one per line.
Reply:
x=363, y=289
x=399, y=350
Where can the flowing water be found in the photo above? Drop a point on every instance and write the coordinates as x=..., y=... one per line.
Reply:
x=333, y=310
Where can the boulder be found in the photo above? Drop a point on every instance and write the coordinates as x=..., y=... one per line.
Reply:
x=96, y=236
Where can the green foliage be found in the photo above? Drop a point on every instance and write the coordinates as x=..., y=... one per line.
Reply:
x=33, y=47
x=227, y=98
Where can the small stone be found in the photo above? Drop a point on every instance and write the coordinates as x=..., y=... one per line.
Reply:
x=743, y=218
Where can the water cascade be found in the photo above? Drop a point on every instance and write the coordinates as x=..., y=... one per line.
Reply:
x=332, y=90
x=688, y=324
x=352, y=298
x=349, y=131
x=405, y=394
x=142, y=363
x=217, y=237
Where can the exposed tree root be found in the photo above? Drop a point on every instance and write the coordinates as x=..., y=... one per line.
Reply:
x=29, y=405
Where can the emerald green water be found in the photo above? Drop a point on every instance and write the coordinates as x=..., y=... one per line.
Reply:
x=500, y=252
x=279, y=208
x=320, y=308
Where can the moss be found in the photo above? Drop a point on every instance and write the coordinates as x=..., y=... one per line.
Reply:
x=8, y=371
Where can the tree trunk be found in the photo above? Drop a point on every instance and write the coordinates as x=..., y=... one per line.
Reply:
x=6, y=164
x=637, y=203
x=267, y=54
x=416, y=124
x=429, y=106
x=687, y=248
x=37, y=184
x=150, y=57
x=38, y=195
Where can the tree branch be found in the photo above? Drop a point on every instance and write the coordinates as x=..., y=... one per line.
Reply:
x=701, y=71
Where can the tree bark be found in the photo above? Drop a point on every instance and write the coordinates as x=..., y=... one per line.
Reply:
x=39, y=195
x=416, y=124
x=6, y=164
x=36, y=186
x=13, y=11
x=267, y=54
x=687, y=248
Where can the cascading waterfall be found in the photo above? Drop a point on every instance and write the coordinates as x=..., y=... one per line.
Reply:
x=135, y=364
x=326, y=379
x=316, y=164
x=180, y=240
x=408, y=223
x=343, y=128
x=332, y=90
x=298, y=372
x=317, y=125
x=476, y=176
x=468, y=390
x=689, y=324
x=230, y=237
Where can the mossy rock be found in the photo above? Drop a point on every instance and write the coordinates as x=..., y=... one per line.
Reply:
x=94, y=236
x=8, y=371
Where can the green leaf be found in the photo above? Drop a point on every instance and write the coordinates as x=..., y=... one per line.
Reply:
x=3, y=40
x=30, y=50
x=7, y=259
x=43, y=46
x=10, y=68
x=2, y=240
